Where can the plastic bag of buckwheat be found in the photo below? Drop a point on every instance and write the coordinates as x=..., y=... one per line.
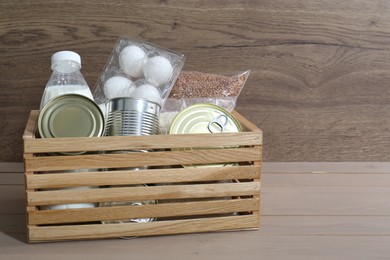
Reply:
x=193, y=87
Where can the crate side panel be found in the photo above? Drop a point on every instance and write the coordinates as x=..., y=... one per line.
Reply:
x=55, y=233
x=178, y=175
x=31, y=126
x=248, y=125
x=143, y=193
x=150, y=142
x=95, y=161
x=177, y=209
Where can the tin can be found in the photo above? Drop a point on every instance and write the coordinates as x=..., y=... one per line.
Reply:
x=205, y=118
x=70, y=115
x=132, y=116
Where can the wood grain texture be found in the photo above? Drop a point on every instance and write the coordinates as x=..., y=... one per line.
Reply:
x=143, y=193
x=319, y=83
x=143, y=211
x=94, y=161
x=147, y=142
x=180, y=194
x=191, y=174
x=56, y=233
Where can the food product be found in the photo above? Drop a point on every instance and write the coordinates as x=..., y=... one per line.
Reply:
x=131, y=60
x=66, y=77
x=193, y=87
x=158, y=70
x=118, y=86
x=143, y=62
x=147, y=92
x=193, y=84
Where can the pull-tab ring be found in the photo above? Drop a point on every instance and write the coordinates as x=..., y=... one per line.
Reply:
x=220, y=122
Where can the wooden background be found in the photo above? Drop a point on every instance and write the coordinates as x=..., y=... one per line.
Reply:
x=320, y=81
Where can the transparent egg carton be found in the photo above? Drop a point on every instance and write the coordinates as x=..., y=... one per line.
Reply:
x=138, y=69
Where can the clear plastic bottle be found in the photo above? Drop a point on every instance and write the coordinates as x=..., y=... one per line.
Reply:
x=66, y=77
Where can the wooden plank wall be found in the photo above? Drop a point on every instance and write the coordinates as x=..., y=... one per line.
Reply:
x=320, y=81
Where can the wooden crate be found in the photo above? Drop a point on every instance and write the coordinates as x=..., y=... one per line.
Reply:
x=192, y=199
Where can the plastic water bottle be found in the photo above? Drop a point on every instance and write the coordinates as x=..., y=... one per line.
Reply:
x=66, y=77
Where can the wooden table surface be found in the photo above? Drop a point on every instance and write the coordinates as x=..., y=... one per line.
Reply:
x=309, y=211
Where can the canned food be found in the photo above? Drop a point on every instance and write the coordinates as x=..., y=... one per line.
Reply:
x=205, y=118
x=132, y=116
x=70, y=115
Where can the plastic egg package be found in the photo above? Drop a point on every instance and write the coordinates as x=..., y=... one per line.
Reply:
x=140, y=70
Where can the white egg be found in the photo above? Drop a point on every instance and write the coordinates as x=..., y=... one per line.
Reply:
x=158, y=70
x=131, y=60
x=118, y=86
x=148, y=92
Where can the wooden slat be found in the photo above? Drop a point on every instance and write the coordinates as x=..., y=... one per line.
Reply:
x=141, y=159
x=59, y=180
x=29, y=208
x=141, y=229
x=246, y=123
x=108, y=143
x=31, y=126
x=257, y=180
x=142, y=193
x=143, y=211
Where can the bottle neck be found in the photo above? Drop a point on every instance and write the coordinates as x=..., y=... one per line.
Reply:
x=66, y=66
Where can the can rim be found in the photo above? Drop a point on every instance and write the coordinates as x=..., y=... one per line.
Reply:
x=218, y=108
x=114, y=100
x=98, y=116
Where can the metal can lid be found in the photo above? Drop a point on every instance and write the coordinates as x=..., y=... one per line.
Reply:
x=204, y=118
x=70, y=115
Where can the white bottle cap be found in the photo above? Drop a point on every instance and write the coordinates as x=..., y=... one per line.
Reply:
x=65, y=55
